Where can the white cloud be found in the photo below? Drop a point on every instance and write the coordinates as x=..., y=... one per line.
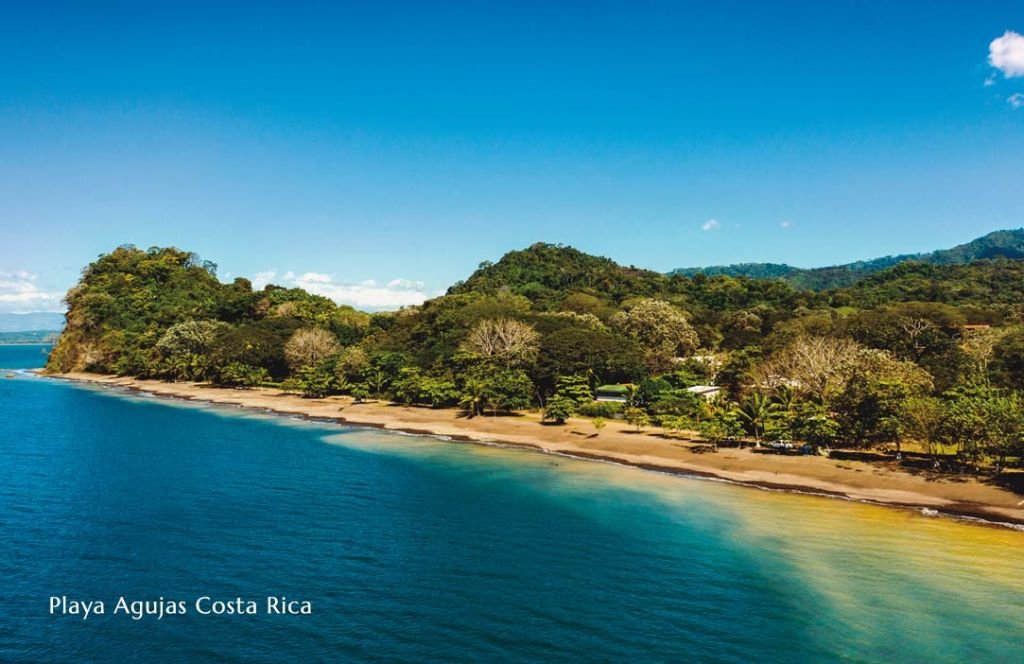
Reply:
x=1016, y=100
x=366, y=294
x=989, y=82
x=785, y=223
x=710, y=225
x=406, y=283
x=261, y=279
x=315, y=278
x=19, y=293
x=1006, y=54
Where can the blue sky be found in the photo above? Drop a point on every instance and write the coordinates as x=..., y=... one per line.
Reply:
x=377, y=152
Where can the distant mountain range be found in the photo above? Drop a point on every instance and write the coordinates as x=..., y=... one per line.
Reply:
x=999, y=244
x=31, y=337
x=40, y=321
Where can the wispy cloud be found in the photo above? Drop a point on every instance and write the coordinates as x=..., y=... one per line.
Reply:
x=19, y=293
x=1016, y=100
x=366, y=294
x=710, y=225
x=785, y=223
x=1006, y=54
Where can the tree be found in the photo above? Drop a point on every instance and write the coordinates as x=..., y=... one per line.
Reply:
x=723, y=425
x=812, y=423
x=914, y=327
x=675, y=401
x=438, y=392
x=384, y=369
x=921, y=419
x=741, y=328
x=815, y=366
x=474, y=395
x=1006, y=427
x=313, y=382
x=979, y=345
x=779, y=425
x=754, y=411
x=599, y=423
x=637, y=417
x=352, y=364
x=188, y=366
x=735, y=374
x=661, y=329
x=673, y=423
x=507, y=389
x=258, y=344
x=982, y=419
x=607, y=356
x=1008, y=360
x=559, y=408
x=574, y=388
x=510, y=343
x=360, y=392
x=870, y=411
x=408, y=386
x=242, y=375
x=412, y=386
x=190, y=337
x=309, y=347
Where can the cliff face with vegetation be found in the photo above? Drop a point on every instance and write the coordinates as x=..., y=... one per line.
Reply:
x=924, y=352
x=129, y=301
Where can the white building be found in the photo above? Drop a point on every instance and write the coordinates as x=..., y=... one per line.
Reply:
x=709, y=392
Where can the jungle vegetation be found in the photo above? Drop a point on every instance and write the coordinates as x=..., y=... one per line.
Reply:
x=919, y=352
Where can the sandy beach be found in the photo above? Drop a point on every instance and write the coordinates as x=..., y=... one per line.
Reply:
x=618, y=442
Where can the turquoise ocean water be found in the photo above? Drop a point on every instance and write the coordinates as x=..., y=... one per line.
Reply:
x=415, y=549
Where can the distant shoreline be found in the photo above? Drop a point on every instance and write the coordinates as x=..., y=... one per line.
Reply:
x=620, y=444
x=27, y=343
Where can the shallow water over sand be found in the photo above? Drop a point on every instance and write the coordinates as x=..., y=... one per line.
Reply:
x=414, y=549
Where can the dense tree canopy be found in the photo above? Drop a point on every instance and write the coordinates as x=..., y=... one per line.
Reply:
x=930, y=352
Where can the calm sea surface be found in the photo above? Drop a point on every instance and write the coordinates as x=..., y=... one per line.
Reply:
x=414, y=549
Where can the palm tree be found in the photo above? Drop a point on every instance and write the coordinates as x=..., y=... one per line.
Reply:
x=755, y=409
x=179, y=367
x=632, y=392
x=473, y=397
x=199, y=365
x=376, y=381
x=785, y=397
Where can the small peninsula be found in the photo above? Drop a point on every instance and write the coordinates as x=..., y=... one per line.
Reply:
x=900, y=388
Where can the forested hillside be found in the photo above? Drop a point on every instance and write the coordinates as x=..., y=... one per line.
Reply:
x=925, y=352
x=999, y=244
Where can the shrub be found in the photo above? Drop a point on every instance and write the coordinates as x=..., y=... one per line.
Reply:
x=606, y=409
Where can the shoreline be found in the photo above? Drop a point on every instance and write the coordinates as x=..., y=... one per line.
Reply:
x=619, y=444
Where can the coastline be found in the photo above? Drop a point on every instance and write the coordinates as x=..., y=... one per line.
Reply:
x=619, y=443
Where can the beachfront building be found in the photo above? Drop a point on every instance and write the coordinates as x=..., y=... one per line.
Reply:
x=612, y=393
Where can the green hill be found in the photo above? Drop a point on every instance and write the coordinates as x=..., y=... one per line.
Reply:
x=546, y=273
x=999, y=244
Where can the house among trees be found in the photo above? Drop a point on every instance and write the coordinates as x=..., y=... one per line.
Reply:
x=613, y=393
x=709, y=392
